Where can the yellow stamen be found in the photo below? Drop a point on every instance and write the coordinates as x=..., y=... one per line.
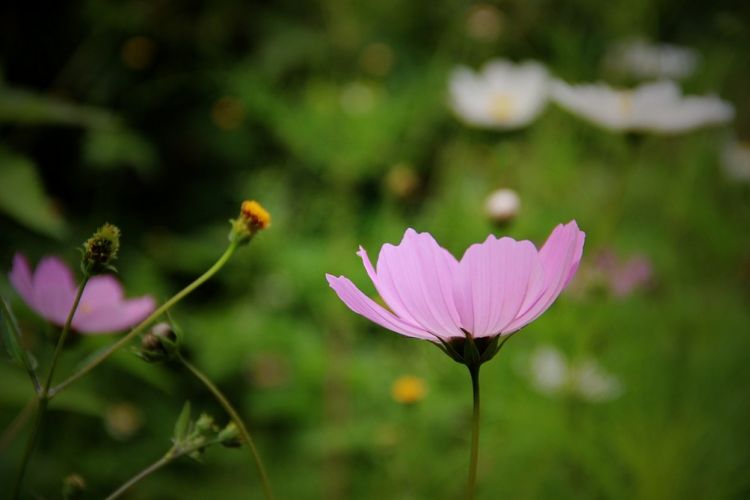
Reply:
x=626, y=102
x=254, y=212
x=501, y=107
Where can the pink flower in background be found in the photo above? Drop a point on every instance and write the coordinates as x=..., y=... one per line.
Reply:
x=623, y=277
x=51, y=290
x=497, y=287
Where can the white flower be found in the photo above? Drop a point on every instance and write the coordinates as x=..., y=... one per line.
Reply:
x=502, y=205
x=552, y=374
x=503, y=95
x=735, y=158
x=656, y=107
x=644, y=60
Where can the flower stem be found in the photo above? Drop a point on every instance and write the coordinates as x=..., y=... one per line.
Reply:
x=148, y=321
x=17, y=424
x=173, y=454
x=473, y=457
x=237, y=421
x=44, y=396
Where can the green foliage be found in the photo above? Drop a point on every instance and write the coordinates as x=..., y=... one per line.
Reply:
x=164, y=117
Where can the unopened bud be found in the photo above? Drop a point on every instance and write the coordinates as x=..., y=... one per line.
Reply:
x=159, y=343
x=253, y=218
x=73, y=487
x=205, y=424
x=503, y=205
x=230, y=436
x=101, y=249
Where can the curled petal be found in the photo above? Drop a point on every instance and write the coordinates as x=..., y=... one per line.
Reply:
x=559, y=257
x=364, y=306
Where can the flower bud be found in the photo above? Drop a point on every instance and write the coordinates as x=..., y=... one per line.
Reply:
x=502, y=205
x=101, y=249
x=73, y=487
x=159, y=344
x=230, y=436
x=205, y=424
x=253, y=218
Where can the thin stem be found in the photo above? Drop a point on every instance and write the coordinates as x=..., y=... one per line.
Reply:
x=44, y=394
x=474, y=372
x=237, y=421
x=148, y=321
x=17, y=424
x=173, y=454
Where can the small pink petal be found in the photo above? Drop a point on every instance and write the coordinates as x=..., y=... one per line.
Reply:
x=364, y=306
x=21, y=279
x=54, y=290
x=423, y=277
x=114, y=316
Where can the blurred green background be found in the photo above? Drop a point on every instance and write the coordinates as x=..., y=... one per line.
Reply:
x=162, y=116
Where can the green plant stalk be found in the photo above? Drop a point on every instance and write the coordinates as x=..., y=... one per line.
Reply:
x=237, y=421
x=173, y=454
x=148, y=321
x=17, y=424
x=44, y=395
x=473, y=457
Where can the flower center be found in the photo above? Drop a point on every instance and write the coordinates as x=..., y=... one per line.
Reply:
x=625, y=101
x=501, y=107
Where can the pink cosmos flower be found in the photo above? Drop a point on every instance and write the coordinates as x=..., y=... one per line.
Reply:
x=51, y=290
x=497, y=287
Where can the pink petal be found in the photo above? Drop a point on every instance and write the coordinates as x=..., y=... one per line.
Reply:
x=101, y=290
x=419, y=280
x=54, y=290
x=20, y=278
x=387, y=292
x=559, y=257
x=114, y=316
x=497, y=276
x=364, y=306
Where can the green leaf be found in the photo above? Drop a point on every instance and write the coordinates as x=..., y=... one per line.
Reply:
x=182, y=426
x=23, y=106
x=11, y=338
x=113, y=147
x=22, y=196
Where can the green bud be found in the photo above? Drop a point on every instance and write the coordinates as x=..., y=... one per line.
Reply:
x=230, y=436
x=100, y=251
x=205, y=424
x=73, y=487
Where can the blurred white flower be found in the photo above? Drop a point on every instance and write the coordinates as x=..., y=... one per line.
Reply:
x=552, y=374
x=644, y=60
x=503, y=95
x=657, y=107
x=735, y=158
x=502, y=205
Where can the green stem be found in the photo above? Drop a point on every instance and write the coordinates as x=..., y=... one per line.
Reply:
x=237, y=421
x=17, y=424
x=148, y=321
x=44, y=394
x=474, y=372
x=173, y=454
